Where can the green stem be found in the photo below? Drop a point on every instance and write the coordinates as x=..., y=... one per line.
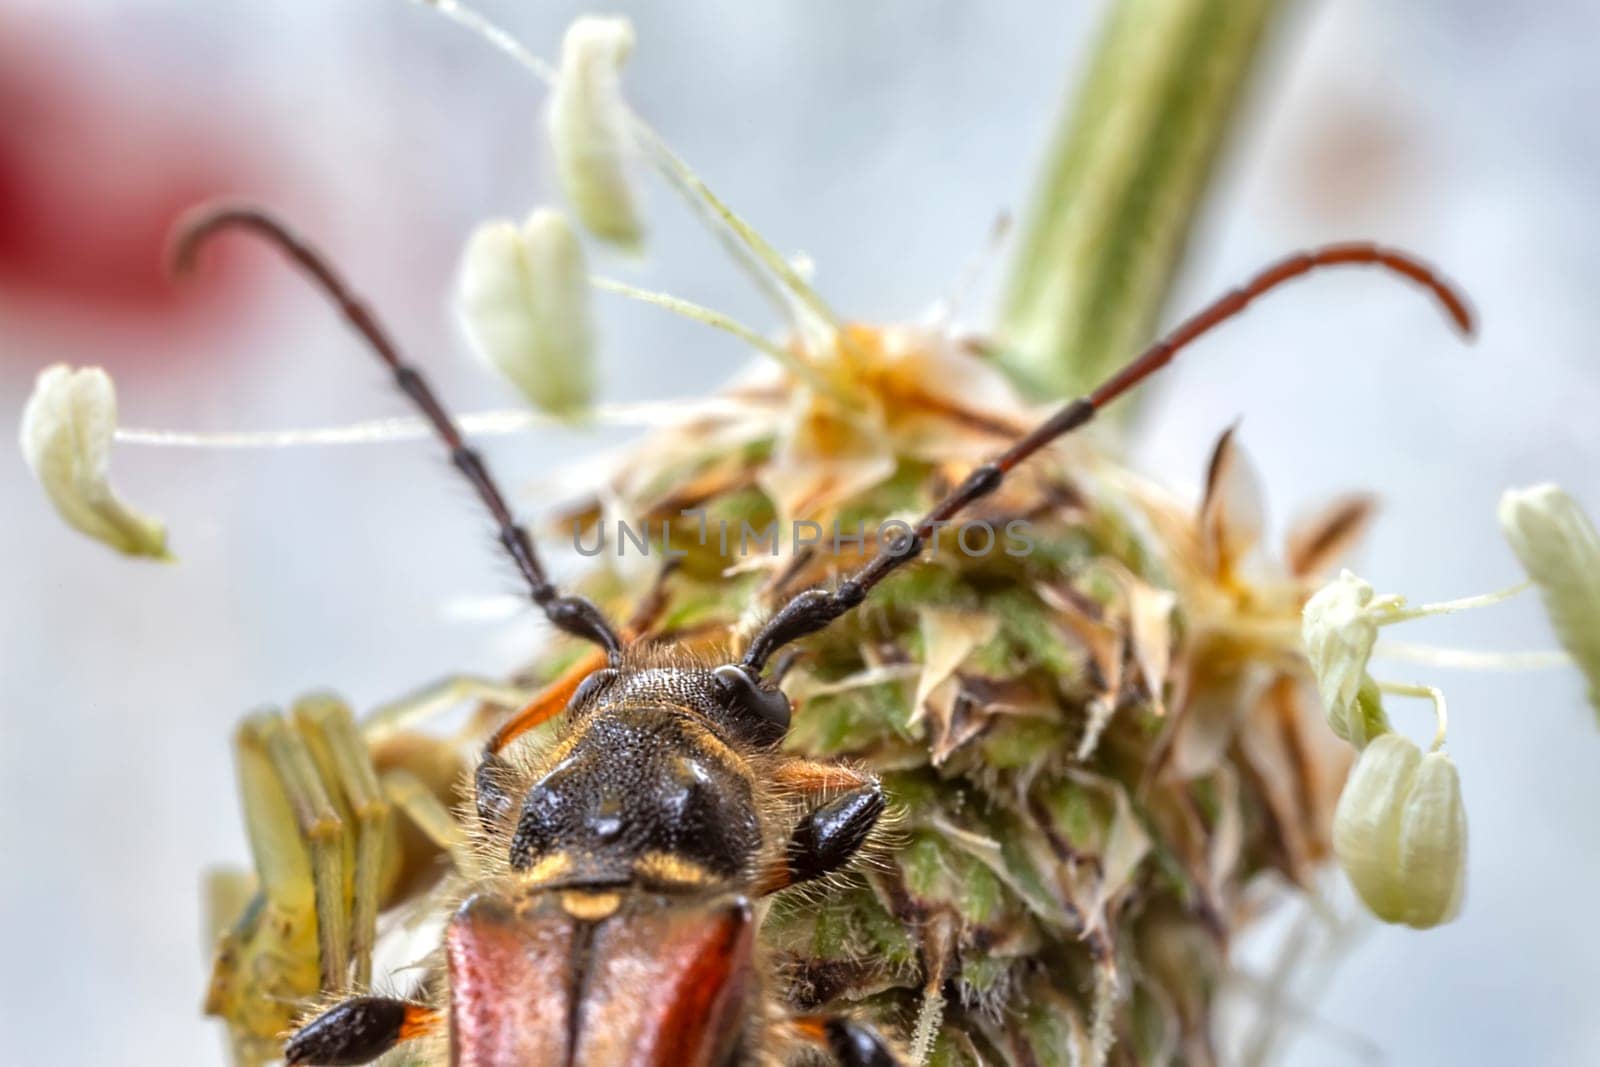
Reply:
x=1122, y=184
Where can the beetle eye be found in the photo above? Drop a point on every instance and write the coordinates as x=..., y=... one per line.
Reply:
x=764, y=711
x=590, y=688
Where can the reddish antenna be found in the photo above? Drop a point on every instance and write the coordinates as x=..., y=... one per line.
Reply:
x=816, y=608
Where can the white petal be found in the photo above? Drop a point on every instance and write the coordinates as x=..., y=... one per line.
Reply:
x=1560, y=550
x=1366, y=824
x=1433, y=844
x=589, y=128
x=524, y=303
x=1232, y=512
x=1400, y=833
x=1317, y=541
x=948, y=638
x=67, y=428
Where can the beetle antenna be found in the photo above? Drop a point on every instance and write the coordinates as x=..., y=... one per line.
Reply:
x=573, y=614
x=814, y=609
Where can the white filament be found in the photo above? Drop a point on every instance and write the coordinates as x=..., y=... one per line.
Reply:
x=651, y=414
x=1472, y=660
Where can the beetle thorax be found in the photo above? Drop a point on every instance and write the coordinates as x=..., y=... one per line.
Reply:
x=644, y=791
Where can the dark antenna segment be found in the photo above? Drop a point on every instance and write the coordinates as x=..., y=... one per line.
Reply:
x=573, y=614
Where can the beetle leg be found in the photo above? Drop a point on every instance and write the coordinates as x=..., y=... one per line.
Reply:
x=850, y=1043
x=359, y=1030
x=418, y=803
x=826, y=838
x=488, y=791
x=547, y=704
x=342, y=756
x=814, y=778
x=552, y=700
x=284, y=792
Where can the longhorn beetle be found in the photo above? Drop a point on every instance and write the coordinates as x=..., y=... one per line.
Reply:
x=615, y=924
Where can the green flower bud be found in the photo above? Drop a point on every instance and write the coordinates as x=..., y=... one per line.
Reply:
x=524, y=302
x=1558, y=547
x=67, y=429
x=1400, y=832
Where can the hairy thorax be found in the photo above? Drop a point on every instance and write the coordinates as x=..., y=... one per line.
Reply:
x=643, y=790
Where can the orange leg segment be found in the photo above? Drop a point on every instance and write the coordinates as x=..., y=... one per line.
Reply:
x=847, y=1042
x=548, y=704
x=812, y=778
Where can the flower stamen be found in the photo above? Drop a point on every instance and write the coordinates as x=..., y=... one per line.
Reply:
x=1441, y=717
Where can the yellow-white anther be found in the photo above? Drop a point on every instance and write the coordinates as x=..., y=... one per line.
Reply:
x=1340, y=627
x=1400, y=832
x=524, y=302
x=589, y=128
x=67, y=427
x=1558, y=547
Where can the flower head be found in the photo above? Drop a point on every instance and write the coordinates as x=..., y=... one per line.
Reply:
x=589, y=128
x=524, y=301
x=1340, y=627
x=1558, y=547
x=66, y=435
x=1400, y=833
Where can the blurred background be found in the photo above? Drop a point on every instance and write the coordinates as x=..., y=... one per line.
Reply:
x=883, y=139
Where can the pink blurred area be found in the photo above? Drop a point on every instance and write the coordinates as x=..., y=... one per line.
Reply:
x=115, y=122
x=102, y=148
x=95, y=163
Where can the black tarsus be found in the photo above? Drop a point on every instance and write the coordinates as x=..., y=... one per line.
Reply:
x=814, y=609
x=856, y=1044
x=829, y=836
x=572, y=614
x=354, y=1031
